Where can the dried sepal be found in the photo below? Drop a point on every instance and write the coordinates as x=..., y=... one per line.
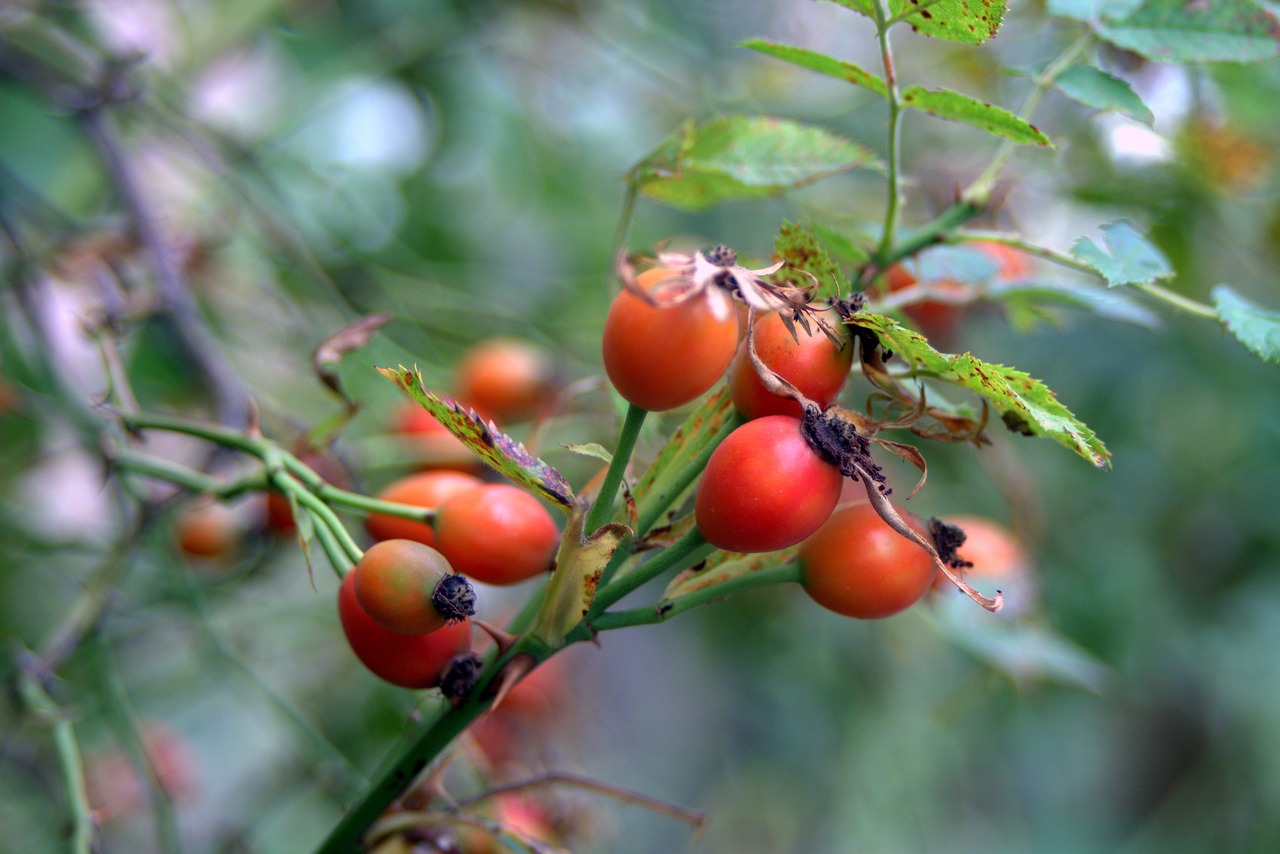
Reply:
x=891, y=518
x=911, y=454
x=772, y=381
x=694, y=273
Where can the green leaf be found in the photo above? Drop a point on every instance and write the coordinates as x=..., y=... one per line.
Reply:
x=821, y=63
x=801, y=250
x=743, y=157
x=1021, y=400
x=946, y=104
x=1202, y=31
x=866, y=7
x=590, y=449
x=1257, y=328
x=1095, y=88
x=954, y=20
x=499, y=450
x=1129, y=259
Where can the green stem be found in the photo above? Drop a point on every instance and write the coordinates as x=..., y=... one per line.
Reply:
x=338, y=557
x=188, y=478
x=883, y=22
x=668, y=608
x=685, y=477
x=435, y=735
x=602, y=509
x=277, y=463
x=215, y=433
x=365, y=504
x=97, y=593
x=1191, y=306
x=1062, y=259
x=979, y=192
x=683, y=553
x=933, y=232
x=64, y=739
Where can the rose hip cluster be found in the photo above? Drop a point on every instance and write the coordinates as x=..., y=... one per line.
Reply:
x=405, y=606
x=671, y=335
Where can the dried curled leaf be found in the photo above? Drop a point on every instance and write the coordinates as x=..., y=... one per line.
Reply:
x=579, y=567
x=351, y=337
x=499, y=450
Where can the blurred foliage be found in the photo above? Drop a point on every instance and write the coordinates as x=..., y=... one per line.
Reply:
x=460, y=165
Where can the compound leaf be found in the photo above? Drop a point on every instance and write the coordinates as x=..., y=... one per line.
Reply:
x=1257, y=328
x=1024, y=403
x=1129, y=258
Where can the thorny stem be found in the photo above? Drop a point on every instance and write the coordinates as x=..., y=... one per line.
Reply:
x=895, y=121
x=933, y=232
x=89, y=607
x=979, y=192
x=683, y=553
x=666, y=609
x=406, y=821
x=602, y=509
x=565, y=778
x=433, y=736
x=337, y=555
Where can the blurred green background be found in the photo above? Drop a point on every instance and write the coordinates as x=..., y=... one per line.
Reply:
x=459, y=165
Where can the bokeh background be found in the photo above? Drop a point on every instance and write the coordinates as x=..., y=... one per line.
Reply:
x=459, y=165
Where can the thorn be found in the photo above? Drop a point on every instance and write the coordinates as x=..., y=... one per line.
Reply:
x=515, y=670
x=503, y=640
